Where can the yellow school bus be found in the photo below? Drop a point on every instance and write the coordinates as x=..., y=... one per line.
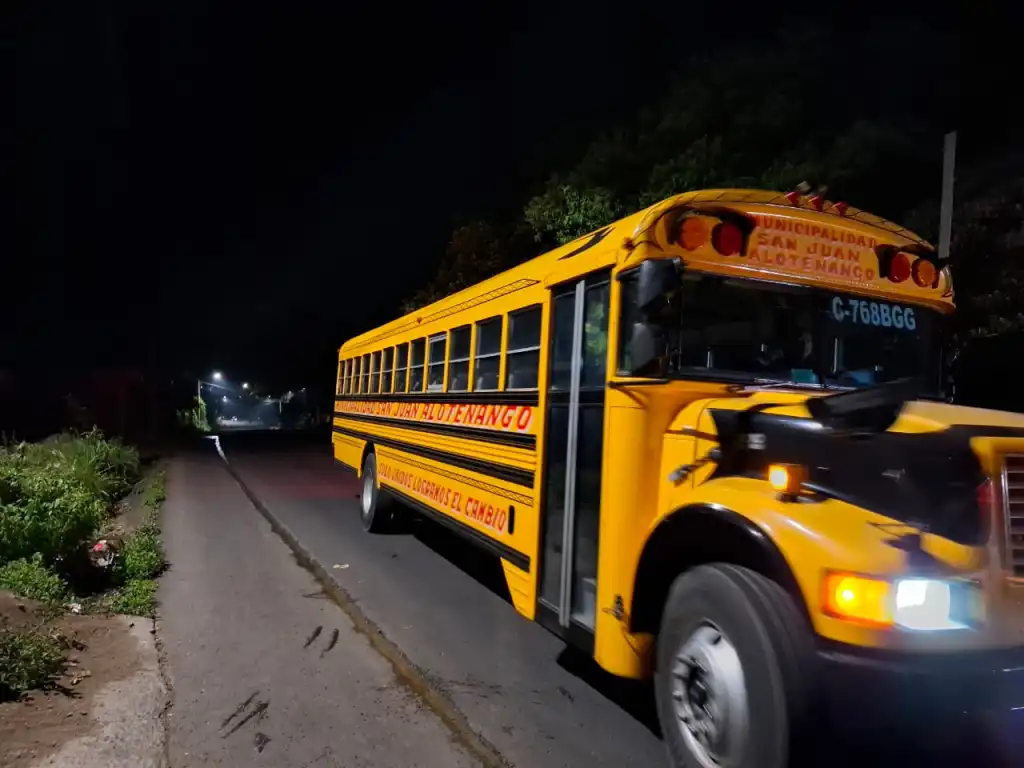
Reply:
x=708, y=444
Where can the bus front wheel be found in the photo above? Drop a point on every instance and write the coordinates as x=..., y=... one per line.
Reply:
x=375, y=508
x=729, y=685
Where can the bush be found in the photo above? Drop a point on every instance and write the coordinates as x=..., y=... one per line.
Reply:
x=32, y=579
x=28, y=660
x=48, y=510
x=136, y=598
x=55, y=494
x=142, y=555
x=108, y=467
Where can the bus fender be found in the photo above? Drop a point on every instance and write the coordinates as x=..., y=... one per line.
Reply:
x=696, y=534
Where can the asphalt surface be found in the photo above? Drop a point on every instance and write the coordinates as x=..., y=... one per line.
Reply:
x=263, y=669
x=443, y=603
x=517, y=685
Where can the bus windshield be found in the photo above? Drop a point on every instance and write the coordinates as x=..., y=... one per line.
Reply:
x=740, y=329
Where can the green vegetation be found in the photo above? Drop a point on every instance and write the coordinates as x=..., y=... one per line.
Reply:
x=34, y=580
x=55, y=494
x=142, y=555
x=135, y=598
x=195, y=417
x=29, y=660
x=55, y=498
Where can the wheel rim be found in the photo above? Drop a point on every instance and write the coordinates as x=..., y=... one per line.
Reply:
x=368, y=490
x=710, y=697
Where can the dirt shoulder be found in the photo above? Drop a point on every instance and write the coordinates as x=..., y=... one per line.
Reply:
x=108, y=654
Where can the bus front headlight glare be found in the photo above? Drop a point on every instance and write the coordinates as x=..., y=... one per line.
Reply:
x=924, y=604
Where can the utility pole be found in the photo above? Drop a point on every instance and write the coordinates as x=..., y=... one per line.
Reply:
x=946, y=207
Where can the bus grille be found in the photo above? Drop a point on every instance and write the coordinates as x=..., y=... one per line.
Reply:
x=1013, y=503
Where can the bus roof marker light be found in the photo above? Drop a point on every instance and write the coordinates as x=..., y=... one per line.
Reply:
x=924, y=273
x=693, y=233
x=817, y=201
x=793, y=197
x=841, y=208
x=727, y=238
x=899, y=268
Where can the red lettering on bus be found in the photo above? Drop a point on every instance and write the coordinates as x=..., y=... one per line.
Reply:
x=524, y=418
x=494, y=413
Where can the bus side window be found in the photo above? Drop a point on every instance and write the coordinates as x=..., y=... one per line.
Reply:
x=488, y=354
x=523, y=352
x=435, y=362
x=401, y=366
x=364, y=376
x=386, y=368
x=341, y=379
x=416, y=370
x=458, y=366
x=375, y=372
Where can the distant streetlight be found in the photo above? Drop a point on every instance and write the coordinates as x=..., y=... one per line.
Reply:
x=225, y=398
x=216, y=376
x=245, y=385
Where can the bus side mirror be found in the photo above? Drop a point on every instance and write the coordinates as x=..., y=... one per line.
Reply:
x=656, y=277
x=646, y=347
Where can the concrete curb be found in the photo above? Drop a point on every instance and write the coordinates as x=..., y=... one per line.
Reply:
x=406, y=672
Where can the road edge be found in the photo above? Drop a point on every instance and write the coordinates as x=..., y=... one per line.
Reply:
x=405, y=670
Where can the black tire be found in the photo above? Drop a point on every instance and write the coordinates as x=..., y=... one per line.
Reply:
x=774, y=646
x=376, y=509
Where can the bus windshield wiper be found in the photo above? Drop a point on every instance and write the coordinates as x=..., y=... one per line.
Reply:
x=771, y=384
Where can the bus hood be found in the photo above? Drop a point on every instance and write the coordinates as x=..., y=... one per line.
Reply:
x=923, y=464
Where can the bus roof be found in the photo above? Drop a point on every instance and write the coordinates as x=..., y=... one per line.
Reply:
x=605, y=243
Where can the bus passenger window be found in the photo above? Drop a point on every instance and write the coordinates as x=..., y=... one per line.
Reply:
x=416, y=369
x=401, y=366
x=523, y=349
x=435, y=363
x=595, y=335
x=458, y=370
x=341, y=379
x=374, y=372
x=364, y=384
x=385, y=384
x=488, y=354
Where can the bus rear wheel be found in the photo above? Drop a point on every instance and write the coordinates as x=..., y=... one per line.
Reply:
x=376, y=509
x=729, y=686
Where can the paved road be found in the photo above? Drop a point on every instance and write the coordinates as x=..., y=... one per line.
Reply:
x=263, y=669
x=538, y=704
x=440, y=601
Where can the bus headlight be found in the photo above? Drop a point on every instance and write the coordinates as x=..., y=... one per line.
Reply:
x=930, y=604
x=916, y=604
x=924, y=604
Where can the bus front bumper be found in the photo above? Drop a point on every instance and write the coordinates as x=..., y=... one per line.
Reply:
x=929, y=684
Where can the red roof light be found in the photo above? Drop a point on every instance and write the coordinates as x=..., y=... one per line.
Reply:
x=727, y=239
x=899, y=268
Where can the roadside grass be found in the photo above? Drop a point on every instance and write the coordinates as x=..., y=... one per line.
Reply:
x=56, y=497
x=29, y=660
x=31, y=578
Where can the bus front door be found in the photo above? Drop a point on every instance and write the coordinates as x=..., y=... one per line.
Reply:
x=574, y=440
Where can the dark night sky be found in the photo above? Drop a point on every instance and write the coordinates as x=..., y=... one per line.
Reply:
x=224, y=184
